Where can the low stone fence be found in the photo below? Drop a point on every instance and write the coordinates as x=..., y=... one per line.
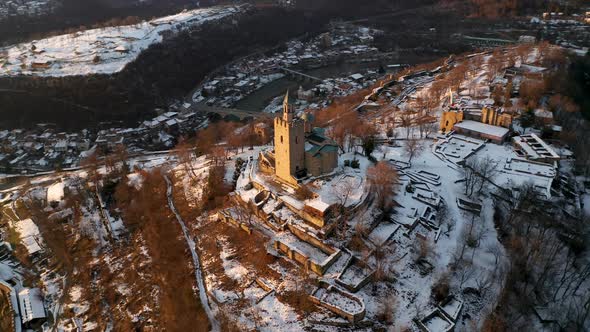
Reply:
x=354, y=284
x=339, y=302
x=229, y=218
x=436, y=321
x=264, y=285
x=309, y=238
x=318, y=268
x=451, y=307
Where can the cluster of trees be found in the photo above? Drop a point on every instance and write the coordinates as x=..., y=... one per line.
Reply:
x=547, y=263
x=146, y=213
x=217, y=141
x=383, y=178
x=570, y=103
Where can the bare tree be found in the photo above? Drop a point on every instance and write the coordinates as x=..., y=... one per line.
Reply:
x=495, y=249
x=219, y=156
x=366, y=133
x=422, y=249
x=184, y=153
x=464, y=274
x=387, y=309
x=383, y=178
x=406, y=123
x=413, y=149
x=472, y=179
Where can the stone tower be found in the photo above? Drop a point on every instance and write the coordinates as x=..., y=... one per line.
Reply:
x=289, y=144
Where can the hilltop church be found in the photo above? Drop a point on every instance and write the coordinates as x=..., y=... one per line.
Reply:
x=300, y=150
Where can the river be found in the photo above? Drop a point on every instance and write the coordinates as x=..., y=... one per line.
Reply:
x=259, y=99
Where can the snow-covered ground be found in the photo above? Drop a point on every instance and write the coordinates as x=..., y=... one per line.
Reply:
x=100, y=51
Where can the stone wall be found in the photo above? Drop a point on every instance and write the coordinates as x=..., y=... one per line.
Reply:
x=354, y=287
x=352, y=317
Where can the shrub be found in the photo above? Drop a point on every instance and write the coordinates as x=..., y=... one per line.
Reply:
x=355, y=164
x=440, y=289
x=386, y=311
x=347, y=163
x=356, y=243
x=304, y=192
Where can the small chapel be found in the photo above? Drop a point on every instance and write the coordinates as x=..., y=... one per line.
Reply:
x=300, y=150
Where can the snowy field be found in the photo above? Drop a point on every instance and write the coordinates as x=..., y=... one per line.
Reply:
x=100, y=51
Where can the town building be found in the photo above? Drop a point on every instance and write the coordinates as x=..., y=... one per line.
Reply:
x=487, y=122
x=476, y=129
x=488, y=115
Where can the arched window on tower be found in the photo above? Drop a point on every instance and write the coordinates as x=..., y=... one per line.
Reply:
x=296, y=139
x=281, y=138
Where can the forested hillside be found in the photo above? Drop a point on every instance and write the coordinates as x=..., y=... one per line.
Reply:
x=165, y=71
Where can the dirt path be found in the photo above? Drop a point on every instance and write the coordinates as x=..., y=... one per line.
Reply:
x=215, y=327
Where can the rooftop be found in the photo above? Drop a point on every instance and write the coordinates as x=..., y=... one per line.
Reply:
x=482, y=128
x=534, y=147
x=31, y=304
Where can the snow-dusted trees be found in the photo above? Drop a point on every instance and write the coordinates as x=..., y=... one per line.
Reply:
x=387, y=309
x=478, y=172
x=531, y=92
x=91, y=164
x=185, y=154
x=406, y=123
x=342, y=129
x=383, y=178
x=414, y=148
x=548, y=263
x=216, y=189
x=304, y=192
x=425, y=107
x=366, y=133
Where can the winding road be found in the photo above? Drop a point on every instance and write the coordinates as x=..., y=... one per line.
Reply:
x=215, y=327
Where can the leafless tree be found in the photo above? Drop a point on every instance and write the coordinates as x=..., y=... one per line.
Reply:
x=495, y=249
x=406, y=123
x=185, y=153
x=383, y=178
x=413, y=149
x=478, y=172
x=245, y=214
x=387, y=309
x=219, y=156
x=464, y=274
